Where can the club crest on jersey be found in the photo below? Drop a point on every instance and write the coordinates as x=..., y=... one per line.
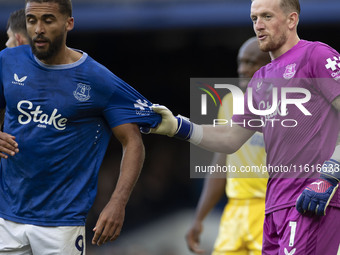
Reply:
x=290, y=71
x=82, y=93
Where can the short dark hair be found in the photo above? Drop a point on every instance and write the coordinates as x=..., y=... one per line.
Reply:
x=290, y=6
x=65, y=6
x=17, y=21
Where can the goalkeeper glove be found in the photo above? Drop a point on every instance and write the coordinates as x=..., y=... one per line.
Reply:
x=179, y=126
x=317, y=195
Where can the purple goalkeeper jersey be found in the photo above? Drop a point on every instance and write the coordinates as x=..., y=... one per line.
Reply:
x=299, y=141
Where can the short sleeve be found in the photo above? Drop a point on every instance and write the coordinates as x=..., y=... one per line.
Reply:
x=325, y=67
x=126, y=105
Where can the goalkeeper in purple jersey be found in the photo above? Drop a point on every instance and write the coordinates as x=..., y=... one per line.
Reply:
x=295, y=103
x=62, y=108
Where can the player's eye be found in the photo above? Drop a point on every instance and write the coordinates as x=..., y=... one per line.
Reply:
x=31, y=21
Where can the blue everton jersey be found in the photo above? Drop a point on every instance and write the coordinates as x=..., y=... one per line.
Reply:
x=61, y=117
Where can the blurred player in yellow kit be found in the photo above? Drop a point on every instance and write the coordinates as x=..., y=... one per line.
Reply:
x=241, y=224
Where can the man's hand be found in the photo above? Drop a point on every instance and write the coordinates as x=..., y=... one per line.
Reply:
x=111, y=219
x=109, y=224
x=8, y=145
x=317, y=195
x=168, y=126
x=179, y=126
x=193, y=238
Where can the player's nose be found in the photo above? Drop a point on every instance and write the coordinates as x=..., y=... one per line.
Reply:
x=39, y=29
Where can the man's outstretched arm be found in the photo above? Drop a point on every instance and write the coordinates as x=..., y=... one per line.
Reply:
x=224, y=139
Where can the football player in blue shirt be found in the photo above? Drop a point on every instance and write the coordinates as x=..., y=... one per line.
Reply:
x=61, y=110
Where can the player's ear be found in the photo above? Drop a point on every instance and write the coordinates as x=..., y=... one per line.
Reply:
x=293, y=20
x=69, y=24
x=19, y=39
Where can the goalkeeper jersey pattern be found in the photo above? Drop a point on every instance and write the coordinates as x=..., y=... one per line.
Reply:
x=245, y=185
x=299, y=149
x=61, y=117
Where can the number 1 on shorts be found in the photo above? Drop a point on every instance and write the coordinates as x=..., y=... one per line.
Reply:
x=292, y=225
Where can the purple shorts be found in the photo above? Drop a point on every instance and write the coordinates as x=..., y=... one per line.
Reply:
x=287, y=232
